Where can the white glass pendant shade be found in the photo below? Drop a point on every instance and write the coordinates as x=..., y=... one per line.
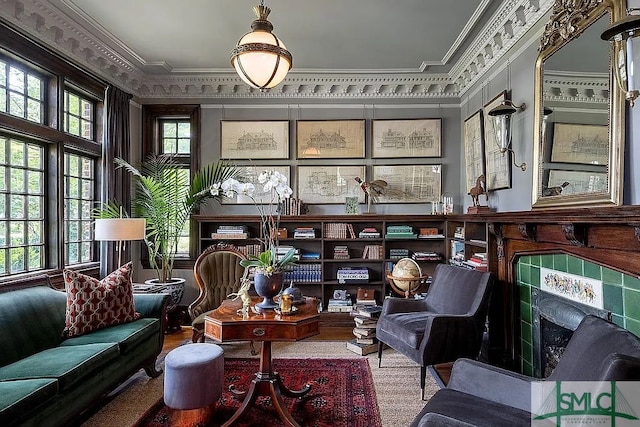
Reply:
x=260, y=58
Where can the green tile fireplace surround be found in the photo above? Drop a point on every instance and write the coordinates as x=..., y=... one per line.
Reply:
x=621, y=294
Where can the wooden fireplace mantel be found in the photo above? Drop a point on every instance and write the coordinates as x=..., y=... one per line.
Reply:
x=609, y=237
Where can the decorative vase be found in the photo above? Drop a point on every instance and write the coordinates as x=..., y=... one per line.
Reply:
x=174, y=287
x=267, y=287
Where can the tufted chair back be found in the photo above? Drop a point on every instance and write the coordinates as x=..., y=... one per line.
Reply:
x=218, y=273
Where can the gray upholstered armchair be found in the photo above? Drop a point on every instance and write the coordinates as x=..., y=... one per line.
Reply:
x=446, y=325
x=482, y=395
x=218, y=273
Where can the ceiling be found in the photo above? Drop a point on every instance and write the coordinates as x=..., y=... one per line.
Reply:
x=163, y=47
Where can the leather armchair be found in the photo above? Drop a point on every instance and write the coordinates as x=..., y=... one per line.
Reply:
x=448, y=324
x=218, y=273
x=483, y=395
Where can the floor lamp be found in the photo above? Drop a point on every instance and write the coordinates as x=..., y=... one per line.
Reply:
x=120, y=230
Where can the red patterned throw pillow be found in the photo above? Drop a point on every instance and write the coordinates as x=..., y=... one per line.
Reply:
x=94, y=304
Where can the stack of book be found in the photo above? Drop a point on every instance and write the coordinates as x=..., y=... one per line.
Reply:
x=338, y=230
x=304, y=233
x=400, y=232
x=459, y=233
x=398, y=253
x=283, y=250
x=340, y=305
x=365, y=341
x=478, y=261
x=309, y=255
x=430, y=233
x=341, y=252
x=373, y=252
x=230, y=232
x=426, y=256
x=353, y=275
x=369, y=233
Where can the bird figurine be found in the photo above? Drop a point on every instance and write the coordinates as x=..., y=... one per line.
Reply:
x=554, y=191
x=372, y=189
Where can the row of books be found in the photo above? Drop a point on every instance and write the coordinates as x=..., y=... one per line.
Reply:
x=303, y=273
x=426, y=256
x=398, y=253
x=373, y=252
x=339, y=230
x=293, y=206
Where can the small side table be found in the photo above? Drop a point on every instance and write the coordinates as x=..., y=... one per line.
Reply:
x=172, y=322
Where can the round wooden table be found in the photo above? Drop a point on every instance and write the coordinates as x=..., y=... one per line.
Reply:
x=224, y=324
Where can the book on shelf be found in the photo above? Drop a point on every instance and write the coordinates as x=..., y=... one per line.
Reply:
x=459, y=233
x=361, y=349
x=309, y=255
x=229, y=236
x=370, y=311
x=366, y=341
x=339, y=308
x=372, y=252
x=333, y=301
x=368, y=233
x=304, y=233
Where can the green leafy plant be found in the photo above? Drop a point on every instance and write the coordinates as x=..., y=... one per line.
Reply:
x=166, y=198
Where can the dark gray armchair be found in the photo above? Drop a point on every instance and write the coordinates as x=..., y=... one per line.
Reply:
x=446, y=325
x=482, y=395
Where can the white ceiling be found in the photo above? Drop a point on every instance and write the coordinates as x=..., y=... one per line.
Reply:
x=167, y=47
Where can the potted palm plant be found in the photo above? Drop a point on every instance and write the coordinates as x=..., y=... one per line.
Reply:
x=166, y=198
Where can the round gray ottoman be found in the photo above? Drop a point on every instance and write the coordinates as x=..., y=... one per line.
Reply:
x=193, y=376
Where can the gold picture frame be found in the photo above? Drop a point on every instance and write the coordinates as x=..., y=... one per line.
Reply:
x=327, y=139
x=408, y=138
x=254, y=139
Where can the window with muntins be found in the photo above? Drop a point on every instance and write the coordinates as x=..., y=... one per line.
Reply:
x=79, y=196
x=22, y=206
x=78, y=115
x=21, y=92
x=176, y=136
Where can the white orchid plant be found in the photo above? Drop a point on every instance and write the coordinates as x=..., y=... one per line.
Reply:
x=275, y=186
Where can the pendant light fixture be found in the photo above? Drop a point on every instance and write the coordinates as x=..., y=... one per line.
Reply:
x=621, y=35
x=260, y=58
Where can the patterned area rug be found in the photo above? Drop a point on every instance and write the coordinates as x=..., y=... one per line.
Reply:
x=342, y=394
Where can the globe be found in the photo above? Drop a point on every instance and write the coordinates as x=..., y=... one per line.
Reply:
x=406, y=276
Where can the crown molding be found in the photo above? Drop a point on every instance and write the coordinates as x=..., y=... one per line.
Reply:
x=49, y=23
x=585, y=88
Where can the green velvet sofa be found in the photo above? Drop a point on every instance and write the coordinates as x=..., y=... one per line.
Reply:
x=47, y=380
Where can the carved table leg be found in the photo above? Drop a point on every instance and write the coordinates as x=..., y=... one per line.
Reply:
x=267, y=383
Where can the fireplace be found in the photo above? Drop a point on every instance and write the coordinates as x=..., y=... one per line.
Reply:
x=554, y=320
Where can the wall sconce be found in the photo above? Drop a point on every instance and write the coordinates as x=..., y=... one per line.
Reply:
x=621, y=35
x=501, y=117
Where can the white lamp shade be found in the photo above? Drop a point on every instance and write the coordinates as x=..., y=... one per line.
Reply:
x=119, y=229
x=256, y=66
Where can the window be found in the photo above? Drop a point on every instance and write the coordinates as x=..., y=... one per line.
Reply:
x=78, y=115
x=21, y=92
x=22, y=206
x=176, y=140
x=50, y=114
x=173, y=130
x=79, y=197
x=176, y=136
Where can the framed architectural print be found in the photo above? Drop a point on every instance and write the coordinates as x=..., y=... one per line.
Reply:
x=328, y=139
x=329, y=184
x=409, y=183
x=568, y=182
x=580, y=143
x=254, y=139
x=497, y=164
x=251, y=174
x=473, y=148
x=407, y=138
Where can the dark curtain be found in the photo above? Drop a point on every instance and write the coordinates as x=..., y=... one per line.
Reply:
x=116, y=184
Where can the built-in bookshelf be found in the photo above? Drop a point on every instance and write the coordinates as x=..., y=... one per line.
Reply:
x=467, y=243
x=371, y=242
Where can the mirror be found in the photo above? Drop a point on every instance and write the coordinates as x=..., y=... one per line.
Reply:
x=579, y=110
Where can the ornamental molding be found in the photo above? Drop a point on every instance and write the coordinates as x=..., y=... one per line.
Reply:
x=50, y=24
x=568, y=18
x=587, y=88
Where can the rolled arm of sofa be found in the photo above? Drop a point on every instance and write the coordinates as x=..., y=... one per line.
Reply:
x=151, y=305
x=506, y=387
x=402, y=305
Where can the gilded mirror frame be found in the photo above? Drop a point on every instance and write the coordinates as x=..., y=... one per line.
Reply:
x=568, y=20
